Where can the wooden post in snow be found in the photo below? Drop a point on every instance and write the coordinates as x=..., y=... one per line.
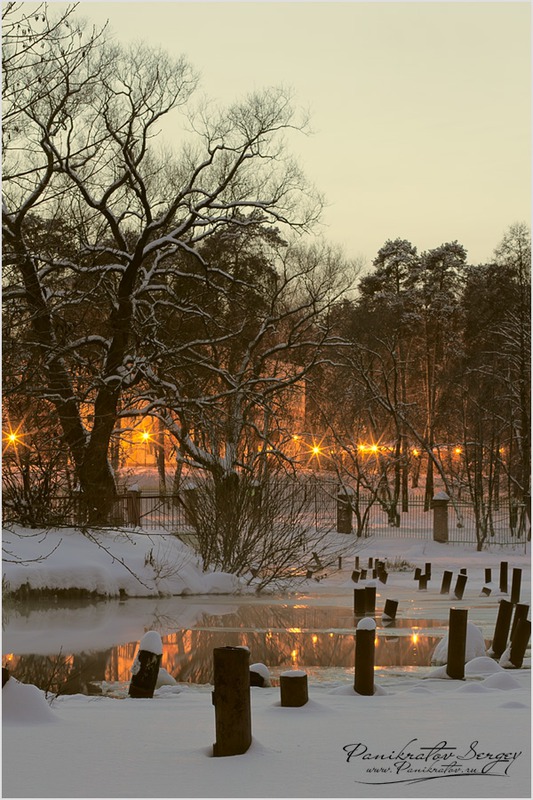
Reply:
x=504, y=568
x=293, y=687
x=501, y=630
x=145, y=667
x=446, y=582
x=359, y=602
x=364, y=657
x=460, y=586
x=370, y=599
x=455, y=667
x=515, y=585
x=231, y=698
x=391, y=607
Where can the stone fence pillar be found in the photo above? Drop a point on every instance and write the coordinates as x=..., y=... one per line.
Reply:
x=344, y=509
x=439, y=505
x=134, y=506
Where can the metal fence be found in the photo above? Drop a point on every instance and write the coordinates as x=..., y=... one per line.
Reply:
x=317, y=505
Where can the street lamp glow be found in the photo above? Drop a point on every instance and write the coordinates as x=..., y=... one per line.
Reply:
x=13, y=438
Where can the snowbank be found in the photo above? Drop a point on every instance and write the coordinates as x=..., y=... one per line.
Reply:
x=162, y=747
x=107, y=563
x=475, y=646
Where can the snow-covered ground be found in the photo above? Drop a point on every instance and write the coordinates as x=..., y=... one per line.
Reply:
x=420, y=734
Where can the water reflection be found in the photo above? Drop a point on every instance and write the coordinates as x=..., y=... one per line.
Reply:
x=315, y=638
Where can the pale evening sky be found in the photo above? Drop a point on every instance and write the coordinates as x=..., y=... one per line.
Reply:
x=420, y=110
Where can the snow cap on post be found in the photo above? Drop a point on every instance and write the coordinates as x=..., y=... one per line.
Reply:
x=259, y=675
x=293, y=673
x=366, y=624
x=145, y=667
x=151, y=643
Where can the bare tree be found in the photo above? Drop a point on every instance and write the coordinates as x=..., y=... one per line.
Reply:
x=81, y=154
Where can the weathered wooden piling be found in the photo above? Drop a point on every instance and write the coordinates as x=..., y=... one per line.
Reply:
x=383, y=576
x=359, y=602
x=356, y=562
x=488, y=575
x=356, y=575
x=423, y=582
x=391, y=607
x=521, y=611
x=364, y=657
x=516, y=581
x=133, y=505
x=427, y=570
x=364, y=573
x=463, y=571
x=504, y=568
x=293, y=688
x=370, y=563
x=231, y=698
x=418, y=573
x=370, y=599
x=501, y=630
x=519, y=642
x=5, y=676
x=457, y=626
x=446, y=582
x=145, y=667
x=460, y=586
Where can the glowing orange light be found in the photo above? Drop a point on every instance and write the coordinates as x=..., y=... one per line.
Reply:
x=294, y=630
x=295, y=437
x=458, y=451
x=145, y=435
x=414, y=638
x=374, y=448
x=314, y=638
x=13, y=438
x=376, y=641
x=316, y=450
x=294, y=655
x=416, y=452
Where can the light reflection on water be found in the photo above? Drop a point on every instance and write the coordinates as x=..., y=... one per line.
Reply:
x=319, y=639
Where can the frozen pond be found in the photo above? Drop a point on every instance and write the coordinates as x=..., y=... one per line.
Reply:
x=70, y=646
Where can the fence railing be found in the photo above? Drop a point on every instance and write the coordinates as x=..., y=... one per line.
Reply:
x=319, y=506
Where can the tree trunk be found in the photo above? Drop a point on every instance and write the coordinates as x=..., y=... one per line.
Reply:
x=97, y=480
